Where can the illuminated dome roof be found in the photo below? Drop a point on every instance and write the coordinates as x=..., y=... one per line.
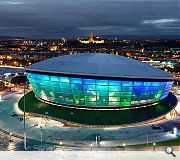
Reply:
x=99, y=65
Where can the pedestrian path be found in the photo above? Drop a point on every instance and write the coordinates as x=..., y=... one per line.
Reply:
x=54, y=132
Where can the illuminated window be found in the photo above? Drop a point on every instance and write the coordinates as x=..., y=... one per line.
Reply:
x=97, y=93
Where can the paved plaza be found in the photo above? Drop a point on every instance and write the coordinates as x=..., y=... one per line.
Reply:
x=56, y=132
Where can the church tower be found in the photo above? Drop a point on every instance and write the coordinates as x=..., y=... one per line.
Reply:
x=91, y=38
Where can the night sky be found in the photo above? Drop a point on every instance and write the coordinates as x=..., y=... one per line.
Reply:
x=76, y=18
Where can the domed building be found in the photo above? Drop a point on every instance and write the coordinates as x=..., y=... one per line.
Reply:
x=98, y=81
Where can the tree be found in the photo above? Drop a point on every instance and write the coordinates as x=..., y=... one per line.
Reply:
x=1, y=85
x=17, y=80
x=176, y=67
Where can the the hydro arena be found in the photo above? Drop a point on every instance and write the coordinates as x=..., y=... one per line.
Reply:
x=99, y=89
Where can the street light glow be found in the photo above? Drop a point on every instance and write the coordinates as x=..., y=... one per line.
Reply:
x=11, y=146
x=175, y=131
x=178, y=107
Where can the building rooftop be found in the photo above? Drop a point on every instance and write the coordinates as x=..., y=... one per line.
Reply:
x=101, y=65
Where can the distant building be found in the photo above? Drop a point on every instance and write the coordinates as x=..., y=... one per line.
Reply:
x=91, y=40
x=53, y=48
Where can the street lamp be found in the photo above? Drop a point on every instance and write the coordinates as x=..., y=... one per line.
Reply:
x=175, y=131
x=154, y=146
x=99, y=139
x=124, y=145
x=60, y=143
x=96, y=141
x=25, y=147
x=10, y=134
x=40, y=125
x=91, y=146
x=147, y=139
x=41, y=137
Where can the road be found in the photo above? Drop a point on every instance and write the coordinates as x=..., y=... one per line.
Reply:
x=54, y=132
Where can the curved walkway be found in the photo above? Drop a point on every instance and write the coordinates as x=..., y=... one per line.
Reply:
x=55, y=132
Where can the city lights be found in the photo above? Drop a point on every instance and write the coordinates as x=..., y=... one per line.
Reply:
x=94, y=79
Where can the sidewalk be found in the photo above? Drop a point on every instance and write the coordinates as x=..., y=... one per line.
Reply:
x=55, y=132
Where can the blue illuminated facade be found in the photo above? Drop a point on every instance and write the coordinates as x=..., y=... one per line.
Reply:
x=96, y=93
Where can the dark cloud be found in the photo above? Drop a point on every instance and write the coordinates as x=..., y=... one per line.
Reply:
x=68, y=18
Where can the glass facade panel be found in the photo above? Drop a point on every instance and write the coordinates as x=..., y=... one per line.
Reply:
x=102, y=82
x=114, y=83
x=76, y=80
x=88, y=81
x=97, y=93
x=114, y=88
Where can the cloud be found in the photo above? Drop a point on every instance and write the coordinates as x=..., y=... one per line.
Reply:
x=101, y=28
x=158, y=21
x=96, y=28
x=136, y=0
x=72, y=19
x=11, y=3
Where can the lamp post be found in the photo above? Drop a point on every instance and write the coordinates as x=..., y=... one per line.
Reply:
x=124, y=145
x=60, y=143
x=91, y=146
x=25, y=146
x=147, y=142
x=96, y=141
x=154, y=146
x=41, y=137
x=175, y=131
x=99, y=139
x=41, y=134
x=10, y=134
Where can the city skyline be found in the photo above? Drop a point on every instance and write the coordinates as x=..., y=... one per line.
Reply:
x=53, y=19
x=89, y=76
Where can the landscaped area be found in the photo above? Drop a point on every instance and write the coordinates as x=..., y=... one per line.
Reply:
x=95, y=117
x=171, y=142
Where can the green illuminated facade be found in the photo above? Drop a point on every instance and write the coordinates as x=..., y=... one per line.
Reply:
x=94, y=93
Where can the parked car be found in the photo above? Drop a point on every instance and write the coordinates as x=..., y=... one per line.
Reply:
x=156, y=127
x=178, y=124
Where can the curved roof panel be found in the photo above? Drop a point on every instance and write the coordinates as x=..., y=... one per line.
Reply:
x=99, y=64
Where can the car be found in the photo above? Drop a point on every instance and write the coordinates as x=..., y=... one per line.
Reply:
x=178, y=124
x=156, y=127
